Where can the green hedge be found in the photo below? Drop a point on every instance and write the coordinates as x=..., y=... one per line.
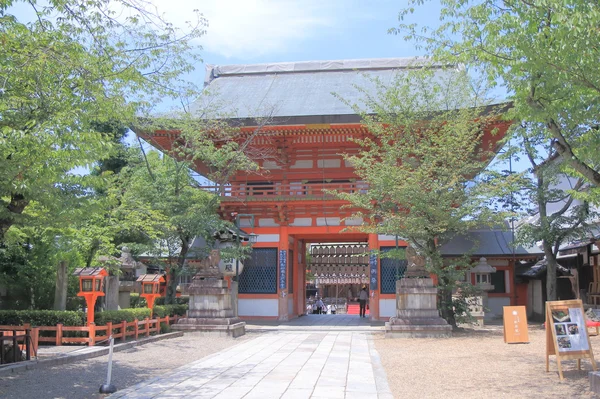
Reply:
x=117, y=316
x=180, y=300
x=41, y=317
x=170, y=310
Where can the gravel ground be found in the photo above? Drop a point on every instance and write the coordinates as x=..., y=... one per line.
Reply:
x=478, y=364
x=83, y=379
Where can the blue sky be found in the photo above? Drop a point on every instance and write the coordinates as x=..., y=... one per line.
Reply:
x=258, y=31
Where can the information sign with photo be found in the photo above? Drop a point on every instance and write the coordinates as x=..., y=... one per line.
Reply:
x=566, y=334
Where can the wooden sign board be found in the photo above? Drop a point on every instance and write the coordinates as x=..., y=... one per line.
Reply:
x=515, y=325
x=566, y=334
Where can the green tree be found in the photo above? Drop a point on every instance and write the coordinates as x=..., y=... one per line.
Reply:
x=544, y=53
x=420, y=162
x=166, y=186
x=558, y=217
x=73, y=69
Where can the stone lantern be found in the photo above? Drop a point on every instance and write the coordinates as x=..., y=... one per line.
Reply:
x=150, y=287
x=483, y=280
x=91, y=286
x=483, y=275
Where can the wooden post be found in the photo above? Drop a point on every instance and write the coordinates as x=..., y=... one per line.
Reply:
x=124, y=331
x=147, y=326
x=109, y=328
x=35, y=335
x=92, y=334
x=59, y=334
x=136, y=328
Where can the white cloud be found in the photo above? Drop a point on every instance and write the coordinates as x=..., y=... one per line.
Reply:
x=243, y=28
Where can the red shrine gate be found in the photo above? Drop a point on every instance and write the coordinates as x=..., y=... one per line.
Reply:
x=289, y=209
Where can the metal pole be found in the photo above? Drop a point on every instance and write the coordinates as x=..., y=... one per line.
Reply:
x=108, y=387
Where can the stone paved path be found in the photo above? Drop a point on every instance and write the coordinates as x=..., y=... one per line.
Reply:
x=290, y=365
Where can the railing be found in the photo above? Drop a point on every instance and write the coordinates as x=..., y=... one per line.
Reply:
x=21, y=339
x=297, y=191
x=92, y=334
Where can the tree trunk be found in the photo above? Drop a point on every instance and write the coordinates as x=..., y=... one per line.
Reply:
x=551, y=294
x=447, y=309
x=173, y=271
x=60, y=289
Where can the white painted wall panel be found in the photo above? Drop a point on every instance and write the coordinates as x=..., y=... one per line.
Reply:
x=495, y=305
x=258, y=307
x=302, y=165
x=329, y=163
x=353, y=221
x=268, y=238
x=387, y=307
x=290, y=306
x=328, y=221
x=302, y=222
x=267, y=222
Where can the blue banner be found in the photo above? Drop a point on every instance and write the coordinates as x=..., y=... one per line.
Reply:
x=373, y=272
x=282, y=269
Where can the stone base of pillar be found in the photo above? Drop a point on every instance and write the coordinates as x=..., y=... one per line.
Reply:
x=417, y=315
x=211, y=310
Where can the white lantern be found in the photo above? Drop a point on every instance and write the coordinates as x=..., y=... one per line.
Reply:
x=227, y=267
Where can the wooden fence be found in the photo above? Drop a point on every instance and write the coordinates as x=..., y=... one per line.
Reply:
x=92, y=334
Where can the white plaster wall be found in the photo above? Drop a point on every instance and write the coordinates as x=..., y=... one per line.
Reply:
x=290, y=305
x=267, y=222
x=497, y=262
x=329, y=163
x=328, y=221
x=302, y=222
x=353, y=221
x=271, y=165
x=385, y=237
x=495, y=306
x=302, y=165
x=258, y=307
x=387, y=307
x=268, y=238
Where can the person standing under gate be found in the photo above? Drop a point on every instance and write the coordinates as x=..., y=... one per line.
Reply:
x=320, y=306
x=362, y=300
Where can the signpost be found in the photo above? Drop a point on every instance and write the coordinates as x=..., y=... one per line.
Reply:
x=515, y=325
x=566, y=334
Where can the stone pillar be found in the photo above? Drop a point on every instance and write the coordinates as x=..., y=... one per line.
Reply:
x=211, y=308
x=124, y=299
x=234, y=296
x=60, y=291
x=416, y=311
x=112, y=292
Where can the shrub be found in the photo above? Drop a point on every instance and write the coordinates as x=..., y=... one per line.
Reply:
x=170, y=310
x=180, y=300
x=117, y=316
x=42, y=317
x=137, y=301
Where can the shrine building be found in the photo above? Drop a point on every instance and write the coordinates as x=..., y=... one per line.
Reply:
x=300, y=149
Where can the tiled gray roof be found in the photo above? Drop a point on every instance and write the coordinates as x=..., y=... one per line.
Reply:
x=486, y=242
x=300, y=89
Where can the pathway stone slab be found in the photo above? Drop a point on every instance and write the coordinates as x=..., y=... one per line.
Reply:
x=289, y=365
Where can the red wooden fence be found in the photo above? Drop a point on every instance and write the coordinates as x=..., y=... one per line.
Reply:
x=95, y=334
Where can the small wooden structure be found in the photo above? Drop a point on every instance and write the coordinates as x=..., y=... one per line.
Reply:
x=150, y=287
x=91, y=286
